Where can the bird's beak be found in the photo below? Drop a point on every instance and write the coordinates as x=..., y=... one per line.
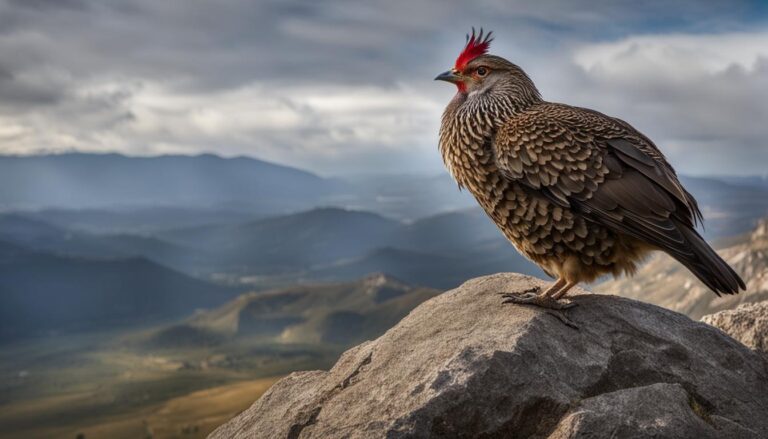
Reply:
x=449, y=76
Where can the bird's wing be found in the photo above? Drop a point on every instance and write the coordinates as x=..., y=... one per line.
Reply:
x=582, y=158
x=605, y=170
x=641, y=146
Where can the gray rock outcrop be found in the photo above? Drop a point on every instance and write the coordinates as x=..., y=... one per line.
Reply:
x=748, y=324
x=462, y=365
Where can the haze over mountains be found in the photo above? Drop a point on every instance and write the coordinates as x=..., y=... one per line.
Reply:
x=249, y=224
x=111, y=180
x=112, y=192
x=323, y=243
x=150, y=191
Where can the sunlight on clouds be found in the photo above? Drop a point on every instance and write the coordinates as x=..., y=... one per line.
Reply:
x=308, y=122
x=11, y=131
x=675, y=54
x=696, y=96
x=319, y=118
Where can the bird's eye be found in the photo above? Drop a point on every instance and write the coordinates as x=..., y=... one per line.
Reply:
x=481, y=71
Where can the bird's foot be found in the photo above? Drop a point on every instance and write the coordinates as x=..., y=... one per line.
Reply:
x=531, y=296
x=525, y=296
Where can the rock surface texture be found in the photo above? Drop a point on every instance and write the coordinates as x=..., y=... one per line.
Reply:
x=748, y=324
x=462, y=365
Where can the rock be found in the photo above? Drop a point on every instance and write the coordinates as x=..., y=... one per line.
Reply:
x=748, y=324
x=657, y=410
x=463, y=365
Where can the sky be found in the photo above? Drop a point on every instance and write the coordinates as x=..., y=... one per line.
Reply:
x=346, y=87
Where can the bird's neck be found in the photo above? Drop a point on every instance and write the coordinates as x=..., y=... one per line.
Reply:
x=469, y=124
x=465, y=135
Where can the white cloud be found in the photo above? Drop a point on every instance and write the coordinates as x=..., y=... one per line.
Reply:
x=308, y=125
x=340, y=86
x=675, y=55
x=702, y=98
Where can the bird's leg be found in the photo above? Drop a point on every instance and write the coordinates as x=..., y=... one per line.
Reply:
x=563, y=291
x=555, y=287
x=547, y=299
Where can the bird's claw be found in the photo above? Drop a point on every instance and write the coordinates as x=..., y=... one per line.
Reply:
x=524, y=297
x=550, y=305
x=531, y=297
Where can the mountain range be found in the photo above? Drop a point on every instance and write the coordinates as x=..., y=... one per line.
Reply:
x=216, y=226
x=43, y=293
x=55, y=279
x=322, y=244
x=109, y=193
x=79, y=180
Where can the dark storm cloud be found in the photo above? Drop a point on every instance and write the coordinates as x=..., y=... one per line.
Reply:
x=300, y=81
x=49, y=4
x=234, y=41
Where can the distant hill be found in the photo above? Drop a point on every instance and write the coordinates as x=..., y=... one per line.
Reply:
x=338, y=244
x=729, y=209
x=115, y=193
x=434, y=270
x=665, y=282
x=759, y=181
x=450, y=232
x=42, y=293
x=314, y=314
x=341, y=244
x=140, y=220
x=406, y=197
x=80, y=180
x=440, y=251
x=322, y=244
x=730, y=204
x=290, y=242
x=43, y=237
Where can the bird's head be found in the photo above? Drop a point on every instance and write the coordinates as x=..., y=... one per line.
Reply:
x=477, y=72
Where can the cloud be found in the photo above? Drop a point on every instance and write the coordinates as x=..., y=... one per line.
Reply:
x=701, y=97
x=675, y=54
x=318, y=127
x=345, y=86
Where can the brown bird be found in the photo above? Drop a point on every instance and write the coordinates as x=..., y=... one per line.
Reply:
x=579, y=193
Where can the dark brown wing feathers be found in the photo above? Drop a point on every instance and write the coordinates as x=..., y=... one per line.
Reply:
x=610, y=173
x=660, y=174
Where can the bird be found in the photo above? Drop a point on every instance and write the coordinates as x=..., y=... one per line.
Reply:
x=579, y=193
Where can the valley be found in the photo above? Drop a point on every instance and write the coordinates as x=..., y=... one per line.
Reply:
x=155, y=298
x=161, y=381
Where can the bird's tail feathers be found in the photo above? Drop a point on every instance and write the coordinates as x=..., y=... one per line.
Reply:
x=707, y=265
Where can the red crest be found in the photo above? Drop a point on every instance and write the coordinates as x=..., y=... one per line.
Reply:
x=476, y=46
